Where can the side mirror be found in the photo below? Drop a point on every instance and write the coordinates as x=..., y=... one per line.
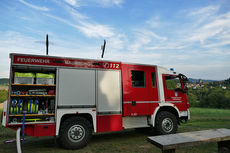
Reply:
x=185, y=89
x=183, y=77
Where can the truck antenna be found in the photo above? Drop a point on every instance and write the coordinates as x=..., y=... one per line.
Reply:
x=47, y=44
x=103, y=49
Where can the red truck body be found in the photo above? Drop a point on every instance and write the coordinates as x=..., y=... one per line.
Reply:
x=113, y=95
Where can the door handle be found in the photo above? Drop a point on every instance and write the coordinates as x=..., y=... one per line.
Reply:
x=168, y=97
x=133, y=103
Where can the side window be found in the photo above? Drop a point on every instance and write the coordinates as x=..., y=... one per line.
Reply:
x=153, y=79
x=138, y=78
x=173, y=83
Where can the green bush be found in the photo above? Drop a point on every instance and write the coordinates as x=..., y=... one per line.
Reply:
x=3, y=95
x=209, y=98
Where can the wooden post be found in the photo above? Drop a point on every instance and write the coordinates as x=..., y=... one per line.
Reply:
x=169, y=151
x=224, y=147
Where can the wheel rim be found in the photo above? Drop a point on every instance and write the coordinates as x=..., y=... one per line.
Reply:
x=167, y=125
x=76, y=133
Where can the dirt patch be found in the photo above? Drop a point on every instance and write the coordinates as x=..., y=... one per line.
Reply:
x=3, y=87
x=1, y=105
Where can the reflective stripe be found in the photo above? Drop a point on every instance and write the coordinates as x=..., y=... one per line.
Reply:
x=140, y=102
x=174, y=101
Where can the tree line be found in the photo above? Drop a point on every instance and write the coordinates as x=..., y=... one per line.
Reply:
x=212, y=95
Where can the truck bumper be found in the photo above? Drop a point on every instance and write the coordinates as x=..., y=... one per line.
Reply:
x=185, y=114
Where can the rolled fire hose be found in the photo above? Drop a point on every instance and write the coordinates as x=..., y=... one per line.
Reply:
x=30, y=105
x=13, y=106
x=19, y=106
x=36, y=107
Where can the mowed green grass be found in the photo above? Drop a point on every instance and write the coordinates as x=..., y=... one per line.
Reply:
x=128, y=141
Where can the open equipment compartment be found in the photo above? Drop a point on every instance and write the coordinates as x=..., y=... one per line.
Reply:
x=32, y=92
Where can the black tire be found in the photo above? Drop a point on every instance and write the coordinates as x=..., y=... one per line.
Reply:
x=166, y=123
x=75, y=133
x=223, y=150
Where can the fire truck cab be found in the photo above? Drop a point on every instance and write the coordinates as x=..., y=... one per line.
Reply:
x=71, y=98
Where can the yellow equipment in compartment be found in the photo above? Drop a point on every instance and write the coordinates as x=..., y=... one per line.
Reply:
x=33, y=119
x=32, y=107
x=16, y=110
x=16, y=107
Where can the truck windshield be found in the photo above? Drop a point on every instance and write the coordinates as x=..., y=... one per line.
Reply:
x=173, y=83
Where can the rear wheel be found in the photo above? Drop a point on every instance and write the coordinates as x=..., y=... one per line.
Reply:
x=75, y=133
x=166, y=123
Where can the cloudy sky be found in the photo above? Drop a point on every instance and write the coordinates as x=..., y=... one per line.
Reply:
x=193, y=37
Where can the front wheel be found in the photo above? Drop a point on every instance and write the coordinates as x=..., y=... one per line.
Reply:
x=75, y=133
x=166, y=123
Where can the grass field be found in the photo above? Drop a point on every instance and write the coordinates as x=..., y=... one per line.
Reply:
x=3, y=94
x=129, y=141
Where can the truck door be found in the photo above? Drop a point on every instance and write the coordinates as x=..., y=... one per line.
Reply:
x=174, y=90
x=140, y=96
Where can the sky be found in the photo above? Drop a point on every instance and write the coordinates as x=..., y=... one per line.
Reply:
x=193, y=37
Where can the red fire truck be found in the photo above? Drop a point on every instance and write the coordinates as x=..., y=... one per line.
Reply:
x=71, y=98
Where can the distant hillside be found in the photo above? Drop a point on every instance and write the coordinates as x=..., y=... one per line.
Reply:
x=4, y=81
x=197, y=80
